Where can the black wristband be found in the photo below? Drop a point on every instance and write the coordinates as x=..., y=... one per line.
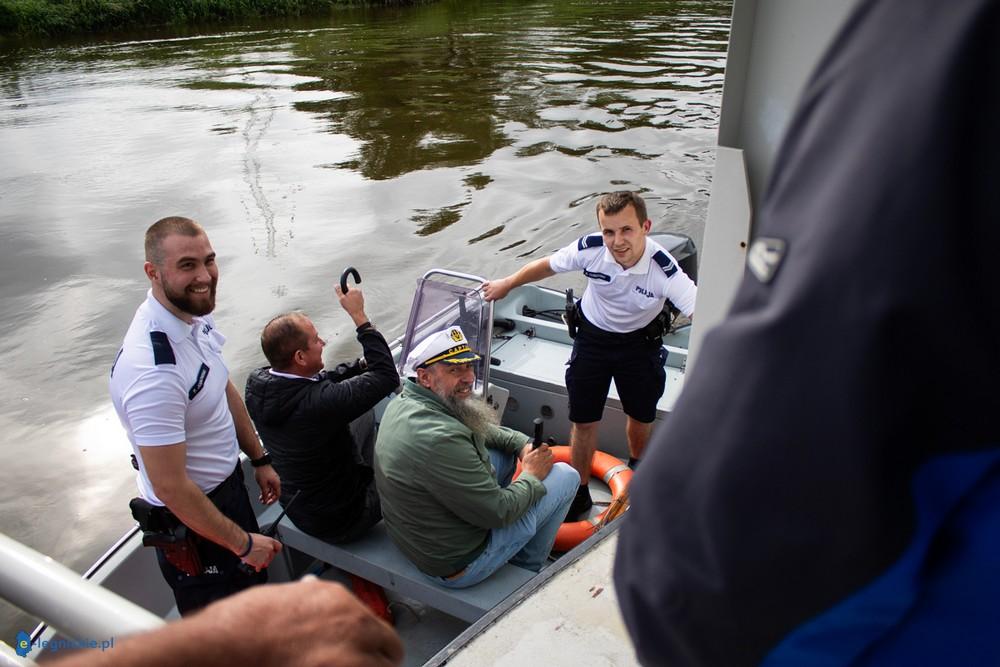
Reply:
x=365, y=327
x=246, y=552
x=262, y=461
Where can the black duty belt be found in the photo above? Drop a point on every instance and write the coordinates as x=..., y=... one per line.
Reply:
x=650, y=332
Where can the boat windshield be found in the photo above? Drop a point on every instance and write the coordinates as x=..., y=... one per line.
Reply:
x=443, y=299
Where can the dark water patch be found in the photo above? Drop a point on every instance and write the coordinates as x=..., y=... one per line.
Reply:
x=487, y=234
x=535, y=149
x=530, y=252
x=513, y=245
x=220, y=85
x=431, y=222
x=574, y=151
x=477, y=181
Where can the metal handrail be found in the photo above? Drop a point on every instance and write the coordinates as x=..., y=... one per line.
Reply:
x=9, y=658
x=77, y=608
x=455, y=274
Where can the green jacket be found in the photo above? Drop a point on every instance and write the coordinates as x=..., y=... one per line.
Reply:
x=439, y=493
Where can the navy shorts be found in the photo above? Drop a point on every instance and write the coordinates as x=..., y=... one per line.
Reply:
x=222, y=576
x=637, y=368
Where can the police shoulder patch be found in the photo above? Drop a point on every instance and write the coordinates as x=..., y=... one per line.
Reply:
x=589, y=241
x=665, y=263
x=765, y=257
x=162, y=352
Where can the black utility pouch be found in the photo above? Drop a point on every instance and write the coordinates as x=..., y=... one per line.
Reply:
x=161, y=529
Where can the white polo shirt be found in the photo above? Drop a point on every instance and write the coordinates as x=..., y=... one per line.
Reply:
x=168, y=385
x=625, y=300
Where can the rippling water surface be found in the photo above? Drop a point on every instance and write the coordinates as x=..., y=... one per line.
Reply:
x=469, y=135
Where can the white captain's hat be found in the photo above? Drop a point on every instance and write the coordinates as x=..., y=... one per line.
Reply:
x=449, y=346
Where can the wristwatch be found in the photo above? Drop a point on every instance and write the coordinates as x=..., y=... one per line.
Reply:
x=262, y=461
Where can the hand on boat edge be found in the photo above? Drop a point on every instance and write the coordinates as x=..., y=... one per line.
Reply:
x=494, y=290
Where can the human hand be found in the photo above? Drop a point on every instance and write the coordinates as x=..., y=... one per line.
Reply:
x=353, y=303
x=308, y=623
x=494, y=290
x=269, y=483
x=262, y=552
x=538, y=462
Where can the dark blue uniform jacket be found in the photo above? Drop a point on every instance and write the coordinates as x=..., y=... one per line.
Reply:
x=827, y=491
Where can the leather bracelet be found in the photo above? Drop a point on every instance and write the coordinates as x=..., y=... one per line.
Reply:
x=246, y=552
x=262, y=461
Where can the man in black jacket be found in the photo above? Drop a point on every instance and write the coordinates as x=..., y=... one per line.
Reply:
x=303, y=415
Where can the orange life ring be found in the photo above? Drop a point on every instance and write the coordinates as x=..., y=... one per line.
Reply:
x=615, y=474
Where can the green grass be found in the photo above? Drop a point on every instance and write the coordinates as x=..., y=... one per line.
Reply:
x=60, y=17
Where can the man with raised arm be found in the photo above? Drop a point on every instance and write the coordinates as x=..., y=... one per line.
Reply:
x=444, y=468
x=620, y=327
x=187, y=422
x=304, y=415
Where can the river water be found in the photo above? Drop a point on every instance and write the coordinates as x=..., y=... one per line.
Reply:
x=473, y=135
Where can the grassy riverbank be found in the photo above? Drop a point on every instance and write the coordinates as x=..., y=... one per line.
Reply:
x=61, y=17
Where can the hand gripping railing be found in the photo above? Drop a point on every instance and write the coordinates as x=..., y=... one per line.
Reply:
x=77, y=608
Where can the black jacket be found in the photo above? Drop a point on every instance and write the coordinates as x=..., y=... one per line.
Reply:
x=304, y=426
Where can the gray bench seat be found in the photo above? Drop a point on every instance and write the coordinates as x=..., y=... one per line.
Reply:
x=375, y=558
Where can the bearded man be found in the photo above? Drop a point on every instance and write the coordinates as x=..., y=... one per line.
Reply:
x=443, y=469
x=187, y=424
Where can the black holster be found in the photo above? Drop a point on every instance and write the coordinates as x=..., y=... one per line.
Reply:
x=658, y=327
x=570, y=317
x=161, y=529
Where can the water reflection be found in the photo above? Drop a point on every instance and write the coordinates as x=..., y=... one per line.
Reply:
x=472, y=135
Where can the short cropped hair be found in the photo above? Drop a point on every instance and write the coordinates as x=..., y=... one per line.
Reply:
x=613, y=202
x=281, y=338
x=163, y=228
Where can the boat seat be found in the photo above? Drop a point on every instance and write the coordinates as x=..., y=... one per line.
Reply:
x=374, y=557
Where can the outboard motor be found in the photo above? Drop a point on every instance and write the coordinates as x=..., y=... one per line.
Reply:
x=683, y=250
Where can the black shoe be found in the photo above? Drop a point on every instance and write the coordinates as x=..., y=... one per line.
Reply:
x=581, y=504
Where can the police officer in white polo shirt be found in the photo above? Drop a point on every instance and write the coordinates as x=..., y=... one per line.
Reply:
x=620, y=329
x=187, y=422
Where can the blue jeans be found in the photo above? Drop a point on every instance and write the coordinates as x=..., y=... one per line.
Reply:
x=527, y=541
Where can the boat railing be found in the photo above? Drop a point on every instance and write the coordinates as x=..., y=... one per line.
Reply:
x=9, y=658
x=428, y=313
x=77, y=608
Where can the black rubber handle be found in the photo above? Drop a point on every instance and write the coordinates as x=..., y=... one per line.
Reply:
x=343, y=278
x=538, y=434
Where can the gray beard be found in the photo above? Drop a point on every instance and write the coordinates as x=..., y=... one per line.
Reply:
x=474, y=413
